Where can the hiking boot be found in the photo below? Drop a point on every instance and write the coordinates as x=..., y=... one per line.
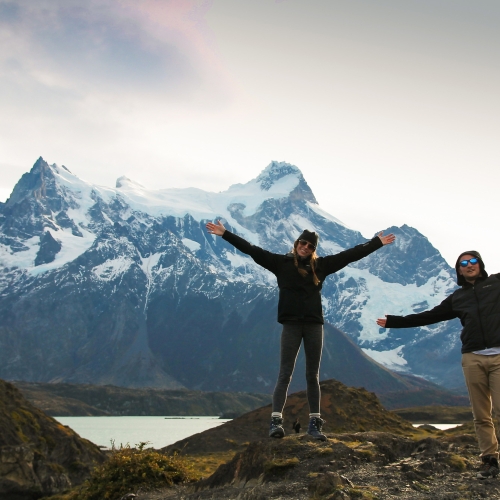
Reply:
x=489, y=468
x=276, y=428
x=314, y=429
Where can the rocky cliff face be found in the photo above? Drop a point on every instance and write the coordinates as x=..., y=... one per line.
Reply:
x=124, y=286
x=38, y=456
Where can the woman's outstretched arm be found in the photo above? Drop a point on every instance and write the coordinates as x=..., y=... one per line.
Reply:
x=217, y=229
x=386, y=240
x=262, y=257
x=334, y=263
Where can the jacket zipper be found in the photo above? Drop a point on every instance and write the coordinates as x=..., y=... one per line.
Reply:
x=479, y=316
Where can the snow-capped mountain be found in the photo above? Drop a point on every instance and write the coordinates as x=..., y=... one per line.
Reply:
x=125, y=286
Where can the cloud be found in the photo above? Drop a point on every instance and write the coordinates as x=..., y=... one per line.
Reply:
x=86, y=80
x=124, y=46
x=84, y=41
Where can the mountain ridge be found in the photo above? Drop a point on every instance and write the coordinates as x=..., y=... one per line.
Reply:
x=117, y=280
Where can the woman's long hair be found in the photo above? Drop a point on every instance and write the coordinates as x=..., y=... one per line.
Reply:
x=303, y=272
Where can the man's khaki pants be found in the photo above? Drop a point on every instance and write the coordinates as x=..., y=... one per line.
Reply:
x=482, y=376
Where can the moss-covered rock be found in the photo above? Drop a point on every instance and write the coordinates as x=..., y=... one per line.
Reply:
x=38, y=455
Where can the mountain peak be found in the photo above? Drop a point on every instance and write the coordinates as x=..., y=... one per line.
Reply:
x=279, y=172
x=275, y=171
x=124, y=181
x=34, y=183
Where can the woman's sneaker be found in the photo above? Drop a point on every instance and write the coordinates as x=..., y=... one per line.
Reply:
x=489, y=468
x=276, y=428
x=314, y=429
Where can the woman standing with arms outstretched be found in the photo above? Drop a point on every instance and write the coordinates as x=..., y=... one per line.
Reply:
x=300, y=276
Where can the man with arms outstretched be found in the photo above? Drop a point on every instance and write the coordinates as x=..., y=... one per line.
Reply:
x=477, y=305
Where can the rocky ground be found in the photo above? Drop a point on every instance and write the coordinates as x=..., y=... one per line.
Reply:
x=370, y=453
x=362, y=465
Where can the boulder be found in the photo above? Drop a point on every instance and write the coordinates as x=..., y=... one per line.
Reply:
x=38, y=455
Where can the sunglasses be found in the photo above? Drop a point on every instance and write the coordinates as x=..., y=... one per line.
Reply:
x=472, y=261
x=307, y=245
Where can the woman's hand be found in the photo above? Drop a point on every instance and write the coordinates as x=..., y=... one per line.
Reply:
x=382, y=322
x=217, y=229
x=386, y=240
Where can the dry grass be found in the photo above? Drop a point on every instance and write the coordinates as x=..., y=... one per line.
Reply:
x=280, y=464
x=206, y=464
x=130, y=469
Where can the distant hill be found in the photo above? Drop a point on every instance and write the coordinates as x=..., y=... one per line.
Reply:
x=85, y=400
x=420, y=392
x=422, y=397
x=437, y=414
x=38, y=455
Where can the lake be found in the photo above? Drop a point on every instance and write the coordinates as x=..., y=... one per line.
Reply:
x=158, y=431
x=441, y=427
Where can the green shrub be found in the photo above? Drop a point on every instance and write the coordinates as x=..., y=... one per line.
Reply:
x=130, y=469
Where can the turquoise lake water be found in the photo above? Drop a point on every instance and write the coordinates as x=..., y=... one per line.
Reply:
x=158, y=431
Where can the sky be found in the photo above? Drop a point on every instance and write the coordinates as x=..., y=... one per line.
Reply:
x=390, y=108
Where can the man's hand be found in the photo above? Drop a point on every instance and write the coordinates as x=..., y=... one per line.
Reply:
x=217, y=229
x=382, y=322
x=386, y=240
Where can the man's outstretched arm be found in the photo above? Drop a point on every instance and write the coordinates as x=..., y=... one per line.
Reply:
x=442, y=312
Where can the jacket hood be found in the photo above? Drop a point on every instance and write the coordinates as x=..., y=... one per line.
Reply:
x=460, y=279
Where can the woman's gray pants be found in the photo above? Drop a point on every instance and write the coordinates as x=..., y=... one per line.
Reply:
x=291, y=338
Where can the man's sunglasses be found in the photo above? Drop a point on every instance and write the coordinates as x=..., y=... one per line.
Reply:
x=307, y=245
x=473, y=261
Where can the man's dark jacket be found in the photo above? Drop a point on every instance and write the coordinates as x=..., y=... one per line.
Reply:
x=299, y=297
x=477, y=306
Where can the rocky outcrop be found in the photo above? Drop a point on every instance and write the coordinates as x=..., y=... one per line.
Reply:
x=437, y=465
x=362, y=465
x=49, y=247
x=345, y=409
x=370, y=453
x=38, y=455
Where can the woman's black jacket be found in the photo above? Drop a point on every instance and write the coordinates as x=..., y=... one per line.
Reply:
x=299, y=297
x=477, y=306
